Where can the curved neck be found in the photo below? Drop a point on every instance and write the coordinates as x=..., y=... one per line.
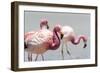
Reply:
x=76, y=40
x=56, y=41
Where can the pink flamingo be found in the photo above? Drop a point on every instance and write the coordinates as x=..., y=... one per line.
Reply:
x=43, y=40
x=69, y=36
x=43, y=24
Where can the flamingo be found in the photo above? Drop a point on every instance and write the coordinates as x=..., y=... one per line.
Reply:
x=43, y=24
x=43, y=40
x=70, y=36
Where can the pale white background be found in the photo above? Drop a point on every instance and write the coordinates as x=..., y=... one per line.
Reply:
x=5, y=32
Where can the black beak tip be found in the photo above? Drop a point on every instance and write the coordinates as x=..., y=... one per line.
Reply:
x=62, y=36
x=47, y=27
x=85, y=45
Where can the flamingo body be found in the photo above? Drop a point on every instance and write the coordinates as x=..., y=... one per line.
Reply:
x=38, y=42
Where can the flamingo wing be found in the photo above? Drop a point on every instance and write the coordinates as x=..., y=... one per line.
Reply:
x=38, y=43
x=39, y=38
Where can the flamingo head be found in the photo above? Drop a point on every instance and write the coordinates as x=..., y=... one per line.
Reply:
x=44, y=22
x=76, y=41
x=85, y=41
x=58, y=28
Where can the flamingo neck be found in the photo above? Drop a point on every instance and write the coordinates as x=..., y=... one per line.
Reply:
x=56, y=41
x=43, y=26
x=76, y=40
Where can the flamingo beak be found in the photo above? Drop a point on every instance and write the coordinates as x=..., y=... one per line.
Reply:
x=61, y=34
x=85, y=45
x=47, y=27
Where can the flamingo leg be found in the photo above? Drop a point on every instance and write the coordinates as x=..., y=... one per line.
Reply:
x=69, y=53
x=24, y=55
x=42, y=57
x=29, y=56
x=36, y=57
x=68, y=50
x=62, y=52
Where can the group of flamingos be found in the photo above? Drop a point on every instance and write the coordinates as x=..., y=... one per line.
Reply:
x=38, y=42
